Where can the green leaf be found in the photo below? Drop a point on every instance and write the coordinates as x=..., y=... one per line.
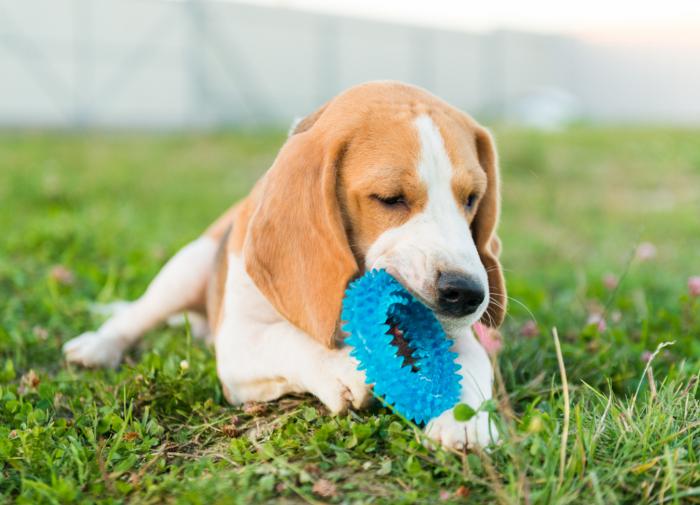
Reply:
x=475, y=464
x=385, y=468
x=463, y=412
x=412, y=466
x=342, y=458
x=8, y=373
x=12, y=406
x=310, y=413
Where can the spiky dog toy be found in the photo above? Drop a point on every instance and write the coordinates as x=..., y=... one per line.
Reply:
x=421, y=382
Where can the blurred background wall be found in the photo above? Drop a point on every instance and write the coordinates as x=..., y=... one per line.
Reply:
x=205, y=64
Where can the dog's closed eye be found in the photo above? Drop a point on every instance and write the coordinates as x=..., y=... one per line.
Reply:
x=394, y=201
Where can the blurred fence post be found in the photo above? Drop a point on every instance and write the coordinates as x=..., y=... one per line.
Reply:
x=196, y=65
x=327, y=59
x=423, y=67
x=83, y=61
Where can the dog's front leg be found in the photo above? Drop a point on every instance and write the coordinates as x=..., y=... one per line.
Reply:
x=268, y=362
x=260, y=356
x=477, y=382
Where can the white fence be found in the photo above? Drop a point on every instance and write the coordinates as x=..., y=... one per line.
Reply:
x=201, y=63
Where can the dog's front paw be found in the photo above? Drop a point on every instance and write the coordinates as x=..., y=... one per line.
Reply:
x=93, y=349
x=448, y=432
x=338, y=383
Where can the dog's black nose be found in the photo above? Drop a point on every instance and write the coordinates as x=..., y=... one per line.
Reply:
x=458, y=294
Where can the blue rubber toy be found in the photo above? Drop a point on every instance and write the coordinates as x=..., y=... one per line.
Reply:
x=422, y=389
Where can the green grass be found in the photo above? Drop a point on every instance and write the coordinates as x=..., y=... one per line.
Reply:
x=110, y=209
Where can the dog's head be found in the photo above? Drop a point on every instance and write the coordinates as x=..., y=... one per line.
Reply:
x=383, y=176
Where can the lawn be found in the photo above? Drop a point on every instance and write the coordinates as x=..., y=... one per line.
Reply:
x=599, y=224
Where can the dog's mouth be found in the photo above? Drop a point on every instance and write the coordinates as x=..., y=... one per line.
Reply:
x=416, y=294
x=402, y=344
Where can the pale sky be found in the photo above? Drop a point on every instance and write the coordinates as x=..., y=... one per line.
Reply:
x=654, y=21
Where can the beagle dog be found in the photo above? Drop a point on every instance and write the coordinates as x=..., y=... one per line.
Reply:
x=384, y=175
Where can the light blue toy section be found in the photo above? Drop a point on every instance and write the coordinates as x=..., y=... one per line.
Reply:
x=421, y=391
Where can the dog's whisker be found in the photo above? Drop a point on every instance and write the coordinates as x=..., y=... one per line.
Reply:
x=523, y=306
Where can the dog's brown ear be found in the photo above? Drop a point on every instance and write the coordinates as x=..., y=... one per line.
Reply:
x=307, y=122
x=484, y=230
x=296, y=249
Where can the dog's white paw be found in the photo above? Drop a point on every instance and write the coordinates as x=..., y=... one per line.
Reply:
x=448, y=432
x=338, y=383
x=93, y=349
